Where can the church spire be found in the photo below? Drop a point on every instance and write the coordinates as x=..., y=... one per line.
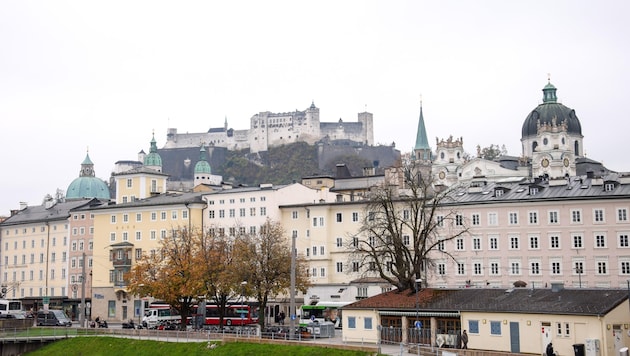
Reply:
x=422, y=149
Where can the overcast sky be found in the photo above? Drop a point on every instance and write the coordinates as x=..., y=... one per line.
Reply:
x=106, y=74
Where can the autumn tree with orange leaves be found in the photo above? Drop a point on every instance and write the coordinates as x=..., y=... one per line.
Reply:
x=171, y=274
x=263, y=260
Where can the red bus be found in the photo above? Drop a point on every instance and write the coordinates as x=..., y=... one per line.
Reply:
x=235, y=314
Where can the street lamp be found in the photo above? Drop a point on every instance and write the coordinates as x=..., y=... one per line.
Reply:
x=417, y=324
x=243, y=284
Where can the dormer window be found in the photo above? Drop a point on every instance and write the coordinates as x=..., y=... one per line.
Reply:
x=498, y=193
x=609, y=187
x=533, y=190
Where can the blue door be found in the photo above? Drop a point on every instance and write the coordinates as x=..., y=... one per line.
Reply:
x=515, y=344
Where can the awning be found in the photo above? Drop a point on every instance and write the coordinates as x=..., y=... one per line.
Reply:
x=420, y=313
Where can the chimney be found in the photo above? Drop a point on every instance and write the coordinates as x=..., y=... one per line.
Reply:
x=23, y=205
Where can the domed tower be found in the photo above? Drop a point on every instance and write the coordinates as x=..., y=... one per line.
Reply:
x=552, y=137
x=153, y=159
x=203, y=171
x=87, y=185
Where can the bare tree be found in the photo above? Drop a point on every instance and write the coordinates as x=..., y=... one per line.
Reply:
x=406, y=223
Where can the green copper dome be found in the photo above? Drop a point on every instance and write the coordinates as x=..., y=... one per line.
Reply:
x=551, y=112
x=153, y=158
x=87, y=185
x=203, y=166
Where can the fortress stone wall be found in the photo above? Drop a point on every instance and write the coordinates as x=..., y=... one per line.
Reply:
x=275, y=129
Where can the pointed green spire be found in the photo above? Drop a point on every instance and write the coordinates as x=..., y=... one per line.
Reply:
x=422, y=143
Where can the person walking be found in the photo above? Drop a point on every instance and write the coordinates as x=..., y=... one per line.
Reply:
x=464, y=340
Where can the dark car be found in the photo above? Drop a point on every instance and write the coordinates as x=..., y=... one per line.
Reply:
x=53, y=318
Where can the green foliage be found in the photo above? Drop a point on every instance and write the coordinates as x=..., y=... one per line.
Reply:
x=279, y=165
x=106, y=346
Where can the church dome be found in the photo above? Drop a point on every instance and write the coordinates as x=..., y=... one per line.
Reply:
x=153, y=159
x=202, y=165
x=551, y=112
x=87, y=185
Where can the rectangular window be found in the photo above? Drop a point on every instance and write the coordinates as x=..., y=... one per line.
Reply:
x=534, y=268
x=440, y=220
x=494, y=268
x=461, y=269
x=495, y=328
x=322, y=272
x=473, y=326
x=163, y=215
x=554, y=241
x=600, y=240
x=624, y=267
x=602, y=267
x=477, y=270
x=232, y=213
x=138, y=235
x=459, y=244
x=252, y=211
x=577, y=241
x=441, y=269
x=352, y=322
x=515, y=268
x=476, y=243
x=138, y=253
x=339, y=267
x=294, y=214
x=533, y=242
x=113, y=219
x=578, y=267
x=355, y=217
x=406, y=240
x=367, y=323
x=513, y=218
x=493, y=242
x=598, y=215
x=174, y=215
x=339, y=217
x=263, y=211
x=576, y=216
x=241, y=212
x=623, y=240
x=221, y=214
x=459, y=220
x=533, y=218
x=622, y=214
x=493, y=219
x=555, y=268
x=514, y=243
x=125, y=218
x=475, y=219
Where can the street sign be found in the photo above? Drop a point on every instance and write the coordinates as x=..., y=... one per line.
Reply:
x=418, y=324
x=46, y=300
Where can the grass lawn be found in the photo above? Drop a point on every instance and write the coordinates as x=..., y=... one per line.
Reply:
x=107, y=346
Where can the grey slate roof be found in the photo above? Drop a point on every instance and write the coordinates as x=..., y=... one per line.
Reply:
x=518, y=300
x=517, y=191
x=175, y=198
x=39, y=213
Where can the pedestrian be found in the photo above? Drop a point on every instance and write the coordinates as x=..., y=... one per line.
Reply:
x=281, y=315
x=549, y=351
x=464, y=340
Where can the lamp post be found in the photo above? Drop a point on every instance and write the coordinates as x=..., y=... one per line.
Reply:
x=417, y=324
x=243, y=284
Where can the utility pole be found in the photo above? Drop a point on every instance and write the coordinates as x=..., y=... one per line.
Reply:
x=292, y=313
x=82, y=309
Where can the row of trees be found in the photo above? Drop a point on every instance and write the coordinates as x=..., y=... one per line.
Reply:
x=190, y=265
x=406, y=221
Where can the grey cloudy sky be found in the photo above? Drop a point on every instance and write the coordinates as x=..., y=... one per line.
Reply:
x=105, y=74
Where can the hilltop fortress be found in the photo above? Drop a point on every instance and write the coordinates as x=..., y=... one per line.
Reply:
x=275, y=129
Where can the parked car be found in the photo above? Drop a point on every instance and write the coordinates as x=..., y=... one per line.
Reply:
x=53, y=318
